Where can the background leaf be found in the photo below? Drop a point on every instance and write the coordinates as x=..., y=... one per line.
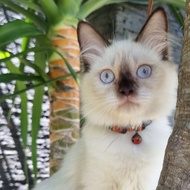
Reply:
x=36, y=20
x=17, y=29
x=20, y=77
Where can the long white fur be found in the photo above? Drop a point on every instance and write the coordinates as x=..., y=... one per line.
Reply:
x=106, y=160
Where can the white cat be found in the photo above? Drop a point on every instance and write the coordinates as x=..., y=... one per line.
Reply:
x=128, y=90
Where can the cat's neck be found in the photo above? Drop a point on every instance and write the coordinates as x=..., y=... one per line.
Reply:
x=123, y=128
x=127, y=128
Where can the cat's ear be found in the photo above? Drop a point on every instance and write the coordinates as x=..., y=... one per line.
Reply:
x=91, y=43
x=154, y=33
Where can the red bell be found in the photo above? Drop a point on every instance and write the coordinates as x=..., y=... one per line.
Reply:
x=136, y=139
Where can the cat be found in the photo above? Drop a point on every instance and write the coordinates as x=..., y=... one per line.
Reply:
x=128, y=90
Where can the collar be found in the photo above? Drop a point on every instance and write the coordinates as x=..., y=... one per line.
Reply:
x=136, y=139
x=128, y=128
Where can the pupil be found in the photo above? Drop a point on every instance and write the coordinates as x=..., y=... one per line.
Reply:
x=144, y=71
x=107, y=75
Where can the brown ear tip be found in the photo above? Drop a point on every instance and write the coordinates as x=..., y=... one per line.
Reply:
x=81, y=25
x=158, y=16
x=160, y=9
x=81, y=22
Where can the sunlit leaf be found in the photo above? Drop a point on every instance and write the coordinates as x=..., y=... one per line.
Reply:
x=8, y=56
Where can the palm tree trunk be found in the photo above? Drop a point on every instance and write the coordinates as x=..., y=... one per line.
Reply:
x=64, y=97
x=176, y=169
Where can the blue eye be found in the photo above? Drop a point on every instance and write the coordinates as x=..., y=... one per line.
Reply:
x=107, y=76
x=144, y=71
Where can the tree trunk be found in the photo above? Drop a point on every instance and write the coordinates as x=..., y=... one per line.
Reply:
x=176, y=169
x=64, y=96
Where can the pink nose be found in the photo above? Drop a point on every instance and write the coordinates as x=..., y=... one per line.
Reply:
x=126, y=91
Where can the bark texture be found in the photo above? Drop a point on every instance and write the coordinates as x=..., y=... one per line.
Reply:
x=176, y=169
x=64, y=97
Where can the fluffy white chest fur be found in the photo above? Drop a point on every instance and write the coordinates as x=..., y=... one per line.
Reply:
x=113, y=162
x=105, y=160
x=123, y=84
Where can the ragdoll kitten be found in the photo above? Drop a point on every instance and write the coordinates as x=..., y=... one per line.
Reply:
x=128, y=90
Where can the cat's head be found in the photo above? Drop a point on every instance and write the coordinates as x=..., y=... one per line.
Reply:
x=128, y=81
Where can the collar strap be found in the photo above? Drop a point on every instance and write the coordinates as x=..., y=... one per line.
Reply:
x=126, y=129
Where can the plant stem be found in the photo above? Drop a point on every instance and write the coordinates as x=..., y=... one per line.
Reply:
x=50, y=10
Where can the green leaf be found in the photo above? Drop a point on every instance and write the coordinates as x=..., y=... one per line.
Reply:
x=73, y=73
x=8, y=57
x=79, y=2
x=24, y=115
x=16, y=29
x=40, y=60
x=178, y=15
x=51, y=10
x=68, y=8
x=92, y=5
x=13, y=76
x=29, y=4
x=177, y=3
x=41, y=57
x=37, y=68
x=3, y=98
x=36, y=116
x=36, y=20
x=68, y=11
x=24, y=62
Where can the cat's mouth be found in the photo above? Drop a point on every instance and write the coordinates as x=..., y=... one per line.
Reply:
x=129, y=101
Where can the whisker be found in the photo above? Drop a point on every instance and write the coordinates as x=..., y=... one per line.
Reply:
x=100, y=106
x=112, y=142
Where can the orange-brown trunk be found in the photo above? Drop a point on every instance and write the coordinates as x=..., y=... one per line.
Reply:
x=64, y=96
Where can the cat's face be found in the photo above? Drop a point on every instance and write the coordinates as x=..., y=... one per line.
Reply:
x=127, y=82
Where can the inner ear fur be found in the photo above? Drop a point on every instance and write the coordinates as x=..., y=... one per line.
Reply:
x=154, y=33
x=91, y=43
